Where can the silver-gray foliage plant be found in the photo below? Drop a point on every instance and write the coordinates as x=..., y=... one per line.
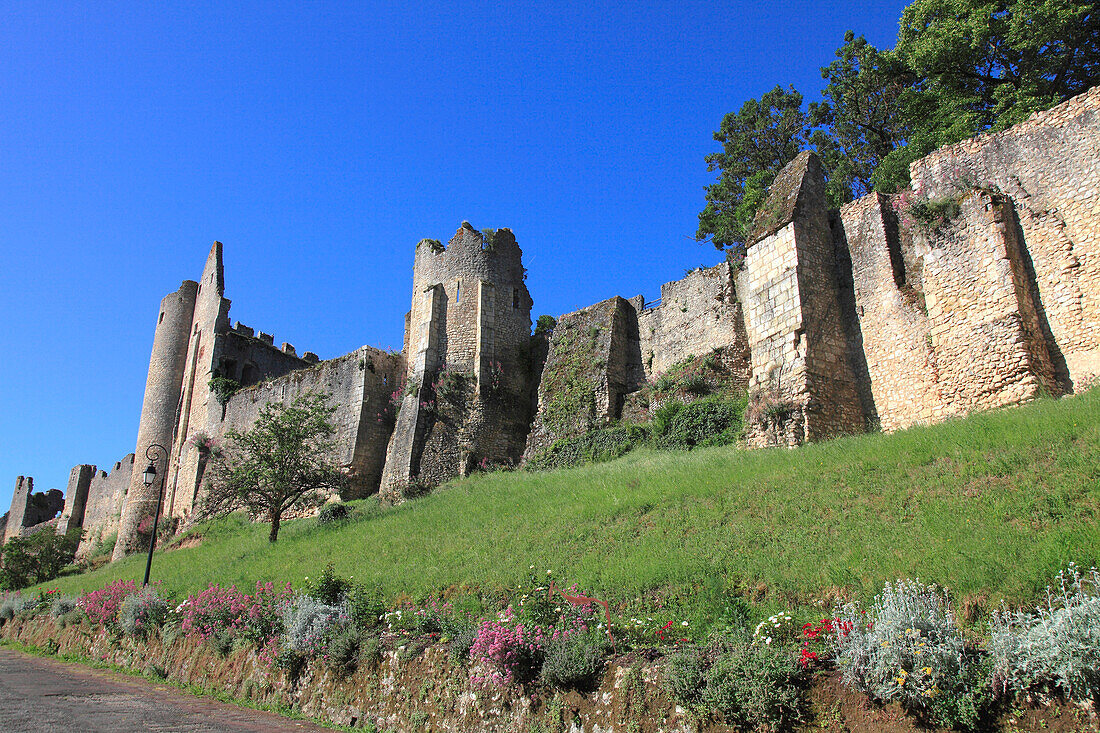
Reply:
x=141, y=612
x=14, y=604
x=907, y=647
x=309, y=623
x=1055, y=648
x=62, y=604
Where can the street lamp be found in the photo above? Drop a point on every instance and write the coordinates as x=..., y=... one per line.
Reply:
x=149, y=475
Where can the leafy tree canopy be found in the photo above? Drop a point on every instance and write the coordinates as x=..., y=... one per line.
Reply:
x=281, y=463
x=960, y=67
x=756, y=143
x=36, y=559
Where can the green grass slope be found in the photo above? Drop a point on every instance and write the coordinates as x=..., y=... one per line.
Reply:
x=996, y=504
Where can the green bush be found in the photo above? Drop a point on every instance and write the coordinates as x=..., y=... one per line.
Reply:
x=462, y=638
x=342, y=651
x=663, y=417
x=142, y=612
x=712, y=420
x=36, y=559
x=575, y=661
x=750, y=685
x=332, y=513
x=594, y=446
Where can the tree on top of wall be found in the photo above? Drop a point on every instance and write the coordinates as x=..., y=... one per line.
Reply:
x=280, y=464
x=960, y=67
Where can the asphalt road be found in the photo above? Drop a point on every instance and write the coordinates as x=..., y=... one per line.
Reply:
x=44, y=695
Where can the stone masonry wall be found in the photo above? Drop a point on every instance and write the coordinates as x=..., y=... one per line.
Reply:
x=1048, y=166
x=696, y=314
x=471, y=313
x=360, y=384
x=803, y=383
x=76, y=497
x=897, y=341
x=106, y=495
x=982, y=335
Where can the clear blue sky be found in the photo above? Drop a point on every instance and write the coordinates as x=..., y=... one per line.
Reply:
x=320, y=142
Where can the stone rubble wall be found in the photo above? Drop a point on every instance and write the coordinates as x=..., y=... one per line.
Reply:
x=103, y=508
x=697, y=314
x=1048, y=167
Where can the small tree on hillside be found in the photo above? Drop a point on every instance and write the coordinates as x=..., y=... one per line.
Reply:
x=36, y=559
x=281, y=463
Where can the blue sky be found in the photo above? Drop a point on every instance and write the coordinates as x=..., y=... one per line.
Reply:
x=319, y=142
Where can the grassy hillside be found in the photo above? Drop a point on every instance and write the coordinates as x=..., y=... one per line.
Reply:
x=995, y=504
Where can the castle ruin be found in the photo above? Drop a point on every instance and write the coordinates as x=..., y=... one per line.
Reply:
x=837, y=322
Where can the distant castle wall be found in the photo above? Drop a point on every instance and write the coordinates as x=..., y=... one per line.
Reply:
x=103, y=508
x=29, y=509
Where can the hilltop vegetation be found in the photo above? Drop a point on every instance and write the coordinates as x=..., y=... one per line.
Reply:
x=991, y=506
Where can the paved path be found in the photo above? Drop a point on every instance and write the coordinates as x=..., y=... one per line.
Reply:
x=43, y=695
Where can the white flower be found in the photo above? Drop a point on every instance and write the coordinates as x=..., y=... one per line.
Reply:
x=683, y=623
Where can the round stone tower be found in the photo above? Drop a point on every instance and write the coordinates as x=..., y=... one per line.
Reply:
x=158, y=410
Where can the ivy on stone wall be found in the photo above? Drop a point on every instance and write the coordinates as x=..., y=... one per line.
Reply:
x=223, y=388
x=569, y=379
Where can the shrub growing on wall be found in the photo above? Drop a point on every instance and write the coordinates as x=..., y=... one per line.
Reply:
x=592, y=447
x=713, y=420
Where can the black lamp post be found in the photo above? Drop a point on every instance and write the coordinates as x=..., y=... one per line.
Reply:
x=149, y=476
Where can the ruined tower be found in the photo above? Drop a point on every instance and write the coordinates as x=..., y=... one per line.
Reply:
x=158, y=408
x=467, y=339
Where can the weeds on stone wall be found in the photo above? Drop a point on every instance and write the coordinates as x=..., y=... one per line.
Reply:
x=568, y=381
x=453, y=384
x=917, y=211
x=434, y=245
x=223, y=388
x=594, y=446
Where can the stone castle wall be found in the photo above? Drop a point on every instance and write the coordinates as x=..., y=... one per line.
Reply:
x=1047, y=166
x=892, y=318
x=470, y=316
x=103, y=506
x=696, y=315
x=837, y=322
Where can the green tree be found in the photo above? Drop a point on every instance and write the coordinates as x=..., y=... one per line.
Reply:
x=280, y=463
x=862, y=118
x=996, y=61
x=757, y=141
x=36, y=559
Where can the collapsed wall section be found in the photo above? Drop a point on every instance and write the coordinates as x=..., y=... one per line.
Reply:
x=1047, y=166
x=76, y=498
x=588, y=371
